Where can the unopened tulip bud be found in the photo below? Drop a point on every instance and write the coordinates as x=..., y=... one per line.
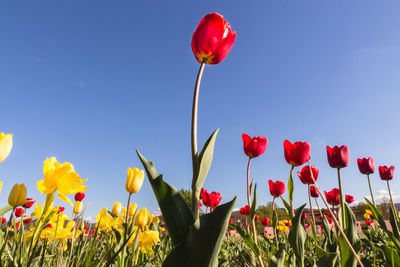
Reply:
x=116, y=208
x=142, y=217
x=17, y=195
x=6, y=144
x=78, y=207
x=134, y=180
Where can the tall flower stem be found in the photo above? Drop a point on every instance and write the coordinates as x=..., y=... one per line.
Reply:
x=391, y=202
x=126, y=227
x=311, y=208
x=195, y=191
x=319, y=209
x=249, y=203
x=274, y=228
x=370, y=190
x=291, y=200
x=341, y=199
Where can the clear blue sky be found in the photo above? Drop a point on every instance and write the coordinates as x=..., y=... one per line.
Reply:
x=90, y=81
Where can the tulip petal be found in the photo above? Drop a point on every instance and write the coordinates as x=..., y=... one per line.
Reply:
x=6, y=144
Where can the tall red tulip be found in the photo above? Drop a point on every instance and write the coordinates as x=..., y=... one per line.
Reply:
x=366, y=165
x=213, y=39
x=276, y=188
x=245, y=210
x=19, y=212
x=338, y=156
x=296, y=154
x=386, y=173
x=29, y=204
x=79, y=196
x=305, y=174
x=254, y=147
x=314, y=192
x=349, y=199
x=332, y=197
x=265, y=221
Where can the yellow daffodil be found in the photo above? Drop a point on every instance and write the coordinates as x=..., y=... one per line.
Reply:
x=142, y=217
x=78, y=207
x=17, y=196
x=147, y=239
x=134, y=180
x=116, y=208
x=6, y=144
x=61, y=178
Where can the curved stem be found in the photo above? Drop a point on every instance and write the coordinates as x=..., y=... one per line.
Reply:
x=274, y=228
x=195, y=192
x=391, y=202
x=311, y=208
x=341, y=200
x=248, y=183
x=370, y=190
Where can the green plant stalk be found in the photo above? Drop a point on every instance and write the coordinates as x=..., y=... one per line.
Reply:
x=319, y=209
x=341, y=200
x=275, y=234
x=311, y=208
x=391, y=202
x=195, y=192
x=291, y=200
x=370, y=190
x=126, y=228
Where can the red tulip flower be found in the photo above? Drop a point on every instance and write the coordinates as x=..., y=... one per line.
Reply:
x=366, y=165
x=48, y=226
x=230, y=220
x=296, y=154
x=304, y=215
x=386, y=173
x=314, y=191
x=61, y=209
x=79, y=196
x=3, y=220
x=19, y=212
x=305, y=174
x=245, y=210
x=349, y=199
x=338, y=156
x=211, y=200
x=256, y=218
x=332, y=197
x=254, y=147
x=26, y=221
x=369, y=222
x=276, y=188
x=213, y=39
x=29, y=204
x=265, y=221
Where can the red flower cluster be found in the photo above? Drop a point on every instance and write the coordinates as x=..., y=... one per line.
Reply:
x=304, y=216
x=61, y=209
x=276, y=188
x=265, y=221
x=296, y=154
x=19, y=212
x=369, y=222
x=332, y=197
x=338, y=156
x=79, y=196
x=386, y=173
x=210, y=200
x=213, y=39
x=305, y=174
x=366, y=165
x=245, y=210
x=314, y=192
x=3, y=220
x=349, y=199
x=29, y=204
x=254, y=147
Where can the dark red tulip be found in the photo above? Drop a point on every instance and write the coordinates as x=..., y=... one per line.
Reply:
x=19, y=212
x=276, y=188
x=332, y=197
x=369, y=222
x=254, y=147
x=211, y=200
x=245, y=210
x=265, y=221
x=3, y=220
x=366, y=165
x=29, y=204
x=26, y=221
x=313, y=191
x=386, y=173
x=213, y=39
x=256, y=218
x=328, y=214
x=308, y=225
x=79, y=196
x=304, y=215
x=349, y=199
x=296, y=154
x=305, y=174
x=338, y=156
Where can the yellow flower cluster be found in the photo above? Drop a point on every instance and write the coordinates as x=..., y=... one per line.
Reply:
x=368, y=214
x=283, y=226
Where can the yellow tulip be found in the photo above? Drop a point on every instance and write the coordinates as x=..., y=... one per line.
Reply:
x=134, y=180
x=151, y=218
x=156, y=220
x=368, y=212
x=6, y=144
x=78, y=207
x=60, y=177
x=142, y=217
x=116, y=208
x=132, y=209
x=367, y=216
x=1, y=185
x=17, y=196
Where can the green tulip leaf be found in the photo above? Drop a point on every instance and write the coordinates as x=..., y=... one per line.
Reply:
x=290, y=186
x=287, y=205
x=376, y=215
x=328, y=259
x=297, y=236
x=5, y=209
x=254, y=203
x=392, y=257
x=393, y=223
x=248, y=239
x=204, y=160
x=176, y=213
x=204, y=240
x=279, y=259
x=347, y=257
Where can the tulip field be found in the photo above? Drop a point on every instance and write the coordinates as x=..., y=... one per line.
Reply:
x=198, y=230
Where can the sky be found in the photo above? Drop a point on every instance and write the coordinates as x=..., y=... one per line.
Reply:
x=89, y=81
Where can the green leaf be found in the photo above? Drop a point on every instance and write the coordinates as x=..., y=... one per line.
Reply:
x=377, y=215
x=297, y=236
x=203, y=242
x=5, y=209
x=290, y=186
x=347, y=257
x=279, y=259
x=254, y=203
x=176, y=213
x=327, y=228
x=117, y=235
x=328, y=259
x=286, y=204
x=204, y=160
x=392, y=257
x=247, y=239
x=393, y=223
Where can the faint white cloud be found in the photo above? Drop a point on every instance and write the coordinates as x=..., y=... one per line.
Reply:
x=90, y=219
x=157, y=212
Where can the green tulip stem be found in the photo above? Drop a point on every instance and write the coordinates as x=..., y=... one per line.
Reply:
x=341, y=199
x=392, y=203
x=290, y=198
x=311, y=208
x=319, y=209
x=370, y=190
x=195, y=191
x=126, y=226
